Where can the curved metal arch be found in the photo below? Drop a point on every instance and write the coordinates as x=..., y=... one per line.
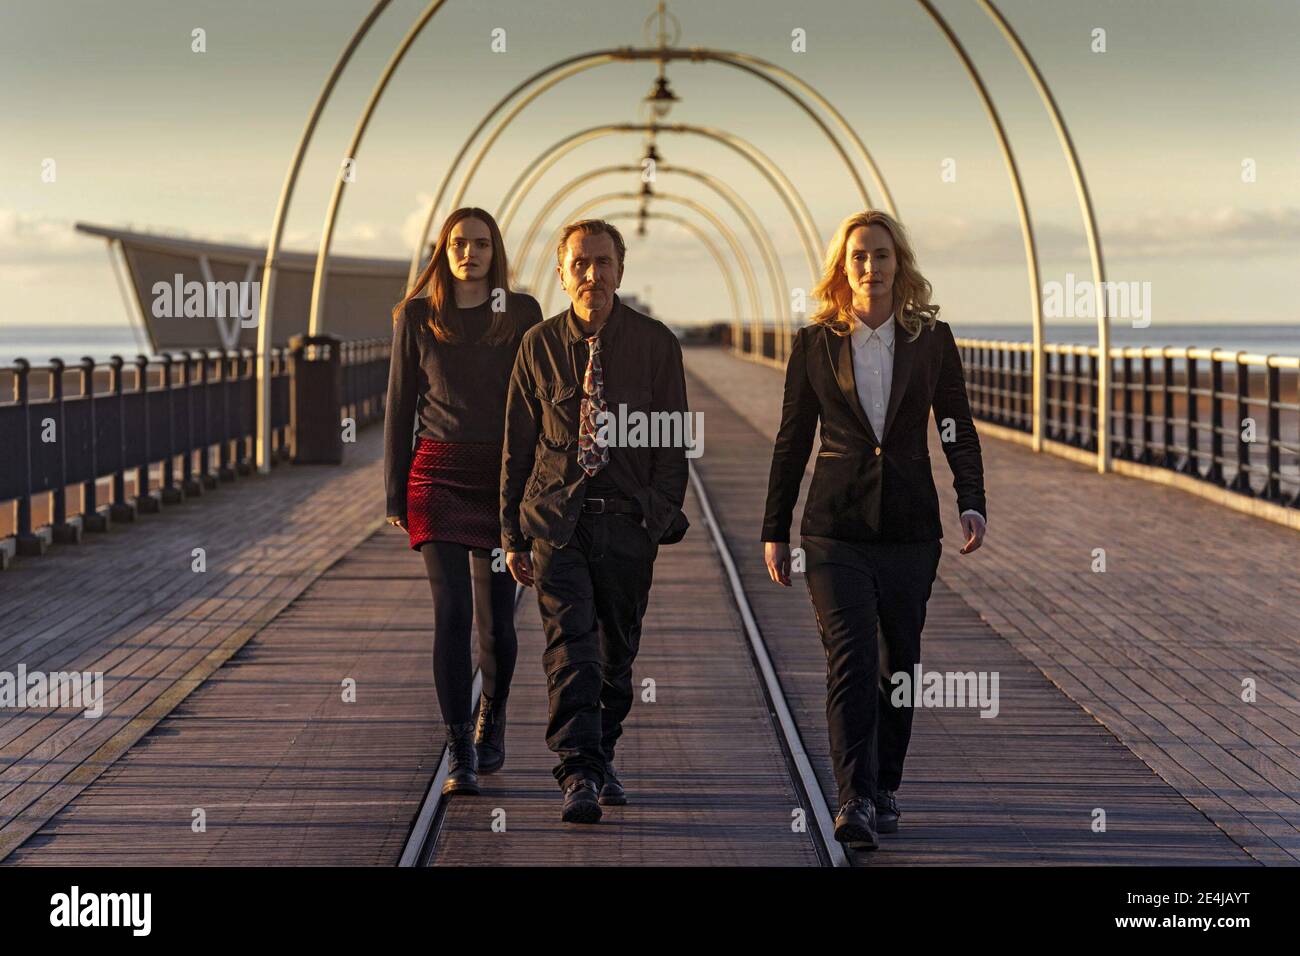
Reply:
x=262, y=449
x=354, y=144
x=744, y=62
x=263, y=444
x=729, y=236
x=540, y=164
x=704, y=241
x=1091, y=231
x=604, y=57
x=729, y=195
x=1022, y=205
x=775, y=269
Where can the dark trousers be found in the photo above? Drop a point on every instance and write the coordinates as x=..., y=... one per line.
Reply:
x=852, y=585
x=592, y=594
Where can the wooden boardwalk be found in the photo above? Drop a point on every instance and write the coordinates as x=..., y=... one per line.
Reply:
x=130, y=605
x=283, y=768
x=1117, y=690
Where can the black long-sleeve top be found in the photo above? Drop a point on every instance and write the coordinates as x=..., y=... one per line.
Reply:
x=455, y=390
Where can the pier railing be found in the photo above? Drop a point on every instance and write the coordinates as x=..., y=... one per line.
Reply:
x=87, y=444
x=1230, y=419
x=1208, y=420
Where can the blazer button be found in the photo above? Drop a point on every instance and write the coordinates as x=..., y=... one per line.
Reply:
x=877, y=449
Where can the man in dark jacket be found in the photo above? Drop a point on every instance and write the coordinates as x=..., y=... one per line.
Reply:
x=582, y=520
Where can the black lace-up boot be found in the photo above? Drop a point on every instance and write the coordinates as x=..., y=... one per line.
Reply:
x=490, y=734
x=462, y=761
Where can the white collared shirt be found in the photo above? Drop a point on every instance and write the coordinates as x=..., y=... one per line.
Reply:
x=873, y=370
x=873, y=374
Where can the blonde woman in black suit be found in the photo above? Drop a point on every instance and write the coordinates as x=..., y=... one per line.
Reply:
x=871, y=365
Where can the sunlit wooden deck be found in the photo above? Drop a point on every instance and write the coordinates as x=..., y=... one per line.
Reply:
x=1119, y=691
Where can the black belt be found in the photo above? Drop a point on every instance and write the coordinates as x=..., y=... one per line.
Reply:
x=610, y=506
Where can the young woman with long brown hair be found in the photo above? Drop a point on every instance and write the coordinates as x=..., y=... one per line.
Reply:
x=455, y=334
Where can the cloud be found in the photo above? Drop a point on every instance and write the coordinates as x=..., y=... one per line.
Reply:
x=32, y=240
x=1225, y=231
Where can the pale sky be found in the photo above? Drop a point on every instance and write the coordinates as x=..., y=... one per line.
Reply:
x=147, y=134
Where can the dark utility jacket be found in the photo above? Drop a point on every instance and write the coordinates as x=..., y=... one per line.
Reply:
x=867, y=487
x=541, y=481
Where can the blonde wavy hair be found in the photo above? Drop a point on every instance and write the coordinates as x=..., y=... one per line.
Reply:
x=912, y=306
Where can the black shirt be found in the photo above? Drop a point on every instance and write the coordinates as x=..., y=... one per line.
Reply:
x=456, y=390
x=542, y=483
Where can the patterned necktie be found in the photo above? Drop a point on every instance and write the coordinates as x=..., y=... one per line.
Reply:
x=592, y=455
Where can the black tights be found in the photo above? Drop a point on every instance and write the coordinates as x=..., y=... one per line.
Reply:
x=462, y=598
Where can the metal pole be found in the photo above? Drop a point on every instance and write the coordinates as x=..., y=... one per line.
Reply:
x=1085, y=207
x=314, y=323
x=1022, y=209
x=266, y=311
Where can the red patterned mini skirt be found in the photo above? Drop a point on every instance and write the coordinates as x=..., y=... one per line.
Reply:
x=453, y=494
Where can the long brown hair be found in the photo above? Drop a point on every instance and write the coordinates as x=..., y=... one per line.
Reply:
x=912, y=306
x=437, y=279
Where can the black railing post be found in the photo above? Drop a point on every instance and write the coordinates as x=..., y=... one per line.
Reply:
x=171, y=494
x=1273, y=484
x=120, y=509
x=1125, y=449
x=204, y=432
x=1191, y=416
x=1147, y=457
x=245, y=369
x=1170, y=458
x=224, y=471
x=27, y=543
x=1094, y=426
x=1241, y=480
x=1215, y=472
x=64, y=531
x=1025, y=390
x=282, y=354
x=145, y=500
x=1076, y=400
x=190, y=485
x=92, y=519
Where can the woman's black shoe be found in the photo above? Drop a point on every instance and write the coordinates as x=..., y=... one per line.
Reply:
x=855, y=824
x=490, y=734
x=462, y=761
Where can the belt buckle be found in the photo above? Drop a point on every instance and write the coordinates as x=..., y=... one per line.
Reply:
x=592, y=501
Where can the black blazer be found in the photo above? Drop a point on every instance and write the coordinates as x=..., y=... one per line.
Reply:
x=864, y=487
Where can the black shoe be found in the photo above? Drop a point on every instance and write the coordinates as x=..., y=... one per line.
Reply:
x=462, y=762
x=612, y=793
x=490, y=734
x=580, y=802
x=855, y=824
x=887, y=812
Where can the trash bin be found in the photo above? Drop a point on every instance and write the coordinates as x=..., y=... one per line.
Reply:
x=315, y=400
